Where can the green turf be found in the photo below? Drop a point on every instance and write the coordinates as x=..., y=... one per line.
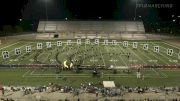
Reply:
x=40, y=77
x=92, y=55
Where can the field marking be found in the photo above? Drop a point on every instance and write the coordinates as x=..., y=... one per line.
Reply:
x=24, y=75
x=158, y=57
x=134, y=74
x=84, y=52
x=85, y=75
x=77, y=49
x=44, y=59
x=166, y=50
x=136, y=55
x=30, y=56
x=155, y=71
x=121, y=57
x=164, y=74
x=152, y=54
x=151, y=50
x=101, y=55
x=64, y=47
x=110, y=56
x=170, y=45
x=162, y=53
x=19, y=47
x=9, y=45
x=93, y=54
x=32, y=74
x=144, y=54
x=18, y=56
x=51, y=54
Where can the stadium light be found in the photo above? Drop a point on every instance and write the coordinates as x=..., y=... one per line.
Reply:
x=20, y=19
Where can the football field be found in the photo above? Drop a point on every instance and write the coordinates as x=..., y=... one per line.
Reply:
x=116, y=55
x=111, y=54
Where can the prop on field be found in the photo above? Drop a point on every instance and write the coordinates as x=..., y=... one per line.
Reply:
x=87, y=41
x=105, y=42
x=66, y=65
x=170, y=52
x=28, y=49
x=39, y=45
x=125, y=44
x=48, y=44
x=68, y=42
x=109, y=84
x=135, y=45
x=5, y=54
x=17, y=51
x=96, y=41
x=59, y=43
x=145, y=47
x=156, y=49
x=114, y=42
x=78, y=41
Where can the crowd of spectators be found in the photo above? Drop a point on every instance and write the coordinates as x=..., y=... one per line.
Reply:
x=91, y=88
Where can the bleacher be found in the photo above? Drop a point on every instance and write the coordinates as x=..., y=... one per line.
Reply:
x=94, y=26
x=90, y=29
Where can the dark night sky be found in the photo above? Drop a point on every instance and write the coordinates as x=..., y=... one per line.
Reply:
x=11, y=10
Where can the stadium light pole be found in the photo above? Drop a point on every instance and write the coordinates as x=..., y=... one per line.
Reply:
x=135, y=11
x=46, y=9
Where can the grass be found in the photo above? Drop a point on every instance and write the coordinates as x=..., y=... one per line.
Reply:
x=40, y=77
x=90, y=55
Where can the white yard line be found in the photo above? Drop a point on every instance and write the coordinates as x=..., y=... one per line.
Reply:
x=18, y=56
x=77, y=49
x=93, y=54
x=137, y=56
x=31, y=54
x=166, y=49
x=120, y=56
x=74, y=76
x=108, y=53
x=84, y=51
x=150, y=59
x=24, y=75
x=170, y=45
x=101, y=55
x=9, y=45
x=163, y=54
x=158, y=57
